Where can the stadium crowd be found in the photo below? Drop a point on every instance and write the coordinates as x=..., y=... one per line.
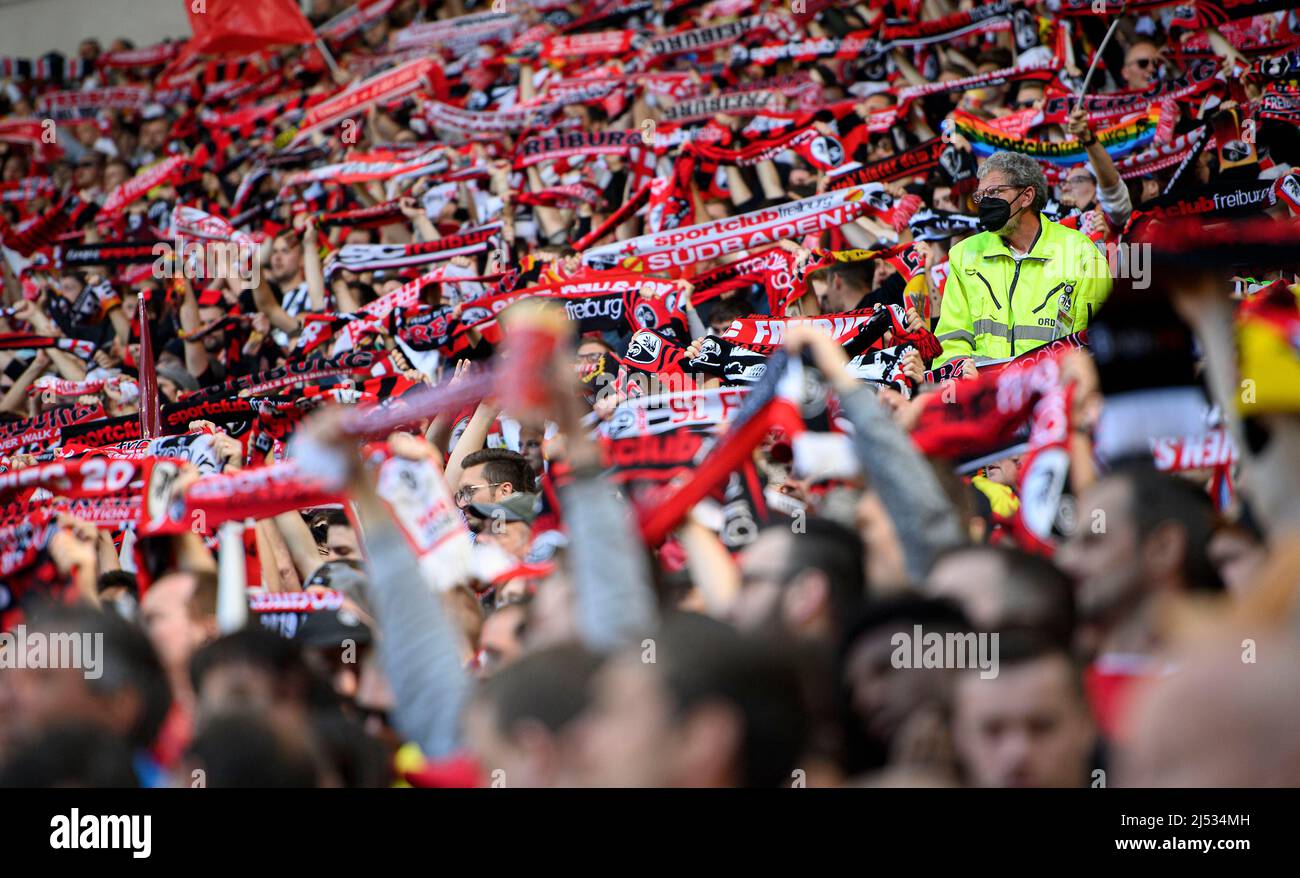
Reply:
x=654, y=393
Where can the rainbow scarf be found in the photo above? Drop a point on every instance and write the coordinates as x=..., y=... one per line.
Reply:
x=1119, y=140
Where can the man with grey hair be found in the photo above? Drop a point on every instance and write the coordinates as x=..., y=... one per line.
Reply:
x=1024, y=280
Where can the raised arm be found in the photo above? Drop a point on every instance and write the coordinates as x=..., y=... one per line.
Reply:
x=925, y=520
x=419, y=646
x=311, y=266
x=196, y=355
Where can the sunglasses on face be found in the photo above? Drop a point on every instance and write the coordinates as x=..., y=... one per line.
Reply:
x=1143, y=63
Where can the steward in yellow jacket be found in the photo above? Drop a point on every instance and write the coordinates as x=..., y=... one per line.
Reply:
x=1025, y=280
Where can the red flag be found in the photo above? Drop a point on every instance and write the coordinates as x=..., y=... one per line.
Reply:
x=238, y=26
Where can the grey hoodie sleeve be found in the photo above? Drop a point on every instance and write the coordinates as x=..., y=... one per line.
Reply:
x=925, y=520
x=696, y=325
x=614, y=600
x=1116, y=203
x=419, y=645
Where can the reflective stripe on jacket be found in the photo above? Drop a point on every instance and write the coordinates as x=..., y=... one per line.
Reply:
x=995, y=307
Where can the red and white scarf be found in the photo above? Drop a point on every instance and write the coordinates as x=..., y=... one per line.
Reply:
x=166, y=171
x=420, y=74
x=565, y=47
x=770, y=332
x=66, y=105
x=715, y=36
x=808, y=216
x=459, y=34
x=354, y=19
x=358, y=170
x=32, y=133
x=190, y=222
x=259, y=492
x=507, y=121
x=740, y=103
x=578, y=144
x=26, y=189
x=149, y=56
x=421, y=503
x=653, y=414
x=370, y=257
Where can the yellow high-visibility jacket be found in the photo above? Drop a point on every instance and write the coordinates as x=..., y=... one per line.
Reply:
x=1002, y=499
x=995, y=307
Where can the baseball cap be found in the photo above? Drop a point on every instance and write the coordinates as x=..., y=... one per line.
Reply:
x=516, y=507
x=179, y=376
x=343, y=575
x=331, y=628
x=334, y=629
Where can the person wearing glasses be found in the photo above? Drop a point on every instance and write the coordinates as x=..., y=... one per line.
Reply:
x=1023, y=281
x=492, y=474
x=1079, y=189
x=1096, y=184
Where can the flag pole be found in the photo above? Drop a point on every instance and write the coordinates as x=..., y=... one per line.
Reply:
x=150, y=414
x=1083, y=89
x=333, y=65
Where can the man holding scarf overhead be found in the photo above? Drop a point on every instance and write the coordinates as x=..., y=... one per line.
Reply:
x=1024, y=280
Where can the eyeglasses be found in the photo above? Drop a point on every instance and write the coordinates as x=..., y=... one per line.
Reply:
x=1143, y=63
x=977, y=197
x=465, y=494
x=1079, y=181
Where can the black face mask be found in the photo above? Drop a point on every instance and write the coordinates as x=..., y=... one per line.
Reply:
x=995, y=213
